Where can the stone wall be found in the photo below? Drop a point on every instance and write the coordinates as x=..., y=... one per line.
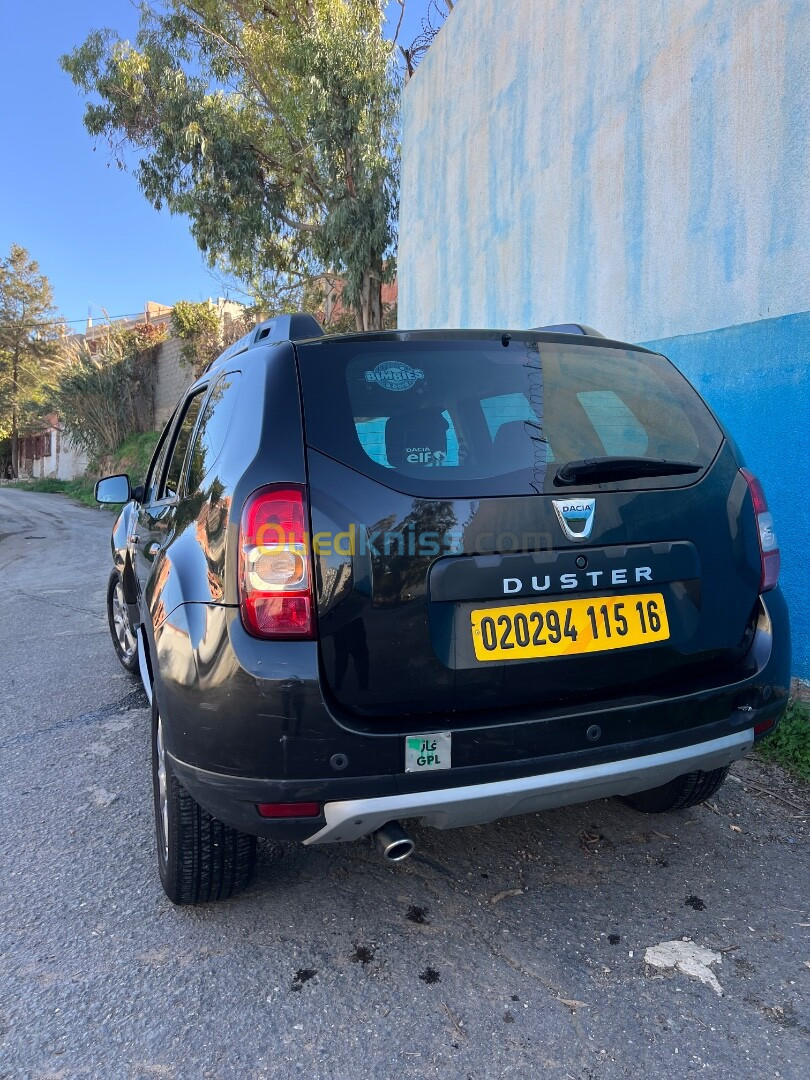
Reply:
x=172, y=376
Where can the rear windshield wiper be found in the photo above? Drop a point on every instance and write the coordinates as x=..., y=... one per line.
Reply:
x=620, y=468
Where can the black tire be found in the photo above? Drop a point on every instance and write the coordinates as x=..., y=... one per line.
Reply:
x=120, y=627
x=687, y=790
x=199, y=858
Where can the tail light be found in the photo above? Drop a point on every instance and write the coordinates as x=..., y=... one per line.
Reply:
x=275, y=594
x=771, y=560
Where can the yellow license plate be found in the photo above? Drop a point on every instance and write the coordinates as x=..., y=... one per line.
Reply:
x=566, y=628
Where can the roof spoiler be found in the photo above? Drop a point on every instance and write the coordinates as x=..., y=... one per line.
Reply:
x=297, y=327
x=569, y=328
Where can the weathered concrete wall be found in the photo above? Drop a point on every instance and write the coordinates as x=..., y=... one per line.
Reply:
x=642, y=166
x=66, y=462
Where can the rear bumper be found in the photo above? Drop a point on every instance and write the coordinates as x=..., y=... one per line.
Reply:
x=449, y=808
x=233, y=800
x=262, y=741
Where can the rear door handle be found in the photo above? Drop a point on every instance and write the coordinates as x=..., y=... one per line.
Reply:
x=134, y=539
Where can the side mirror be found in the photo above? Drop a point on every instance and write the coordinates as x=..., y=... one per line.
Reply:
x=113, y=489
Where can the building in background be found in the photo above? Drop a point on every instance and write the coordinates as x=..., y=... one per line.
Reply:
x=48, y=452
x=642, y=168
x=153, y=315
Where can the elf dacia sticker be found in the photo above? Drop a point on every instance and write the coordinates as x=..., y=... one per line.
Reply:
x=394, y=375
x=423, y=455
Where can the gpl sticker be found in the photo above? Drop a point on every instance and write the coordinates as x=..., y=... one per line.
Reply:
x=394, y=375
x=426, y=753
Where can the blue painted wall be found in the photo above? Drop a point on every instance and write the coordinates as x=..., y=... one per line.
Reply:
x=642, y=166
x=755, y=377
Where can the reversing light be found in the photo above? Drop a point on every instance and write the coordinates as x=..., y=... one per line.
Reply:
x=288, y=809
x=770, y=559
x=274, y=575
x=763, y=727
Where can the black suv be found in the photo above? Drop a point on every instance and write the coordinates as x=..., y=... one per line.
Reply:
x=437, y=575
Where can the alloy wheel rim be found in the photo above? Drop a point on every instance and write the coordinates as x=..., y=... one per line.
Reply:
x=163, y=789
x=124, y=633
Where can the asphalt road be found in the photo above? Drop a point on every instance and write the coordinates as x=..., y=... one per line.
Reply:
x=510, y=950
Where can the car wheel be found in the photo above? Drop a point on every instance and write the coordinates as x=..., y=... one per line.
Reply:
x=687, y=790
x=199, y=858
x=125, y=641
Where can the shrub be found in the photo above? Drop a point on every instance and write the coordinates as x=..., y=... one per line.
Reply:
x=203, y=334
x=790, y=743
x=104, y=397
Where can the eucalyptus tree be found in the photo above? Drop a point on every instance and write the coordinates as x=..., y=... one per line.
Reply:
x=271, y=124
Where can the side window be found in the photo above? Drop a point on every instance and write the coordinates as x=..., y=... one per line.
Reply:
x=214, y=424
x=171, y=483
x=619, y=429
x=156, y=466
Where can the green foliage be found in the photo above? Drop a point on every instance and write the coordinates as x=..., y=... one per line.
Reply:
x=30, y=344
x=203, y=335
x=189, y=320
x=197, y=326
x=48, y=484
x=134, y=454
x=105, y=396
x=82, y=489
x=790, y=743
x=273, y=126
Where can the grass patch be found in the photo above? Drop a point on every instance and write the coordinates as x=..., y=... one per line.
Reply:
x=134, y=454
x=790, y=743
x=81, y=489
x=47, y=485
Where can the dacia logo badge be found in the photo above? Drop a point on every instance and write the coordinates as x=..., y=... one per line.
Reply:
x=575, y=517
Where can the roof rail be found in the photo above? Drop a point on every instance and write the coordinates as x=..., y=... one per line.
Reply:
x=297, y=327
x=569, y=328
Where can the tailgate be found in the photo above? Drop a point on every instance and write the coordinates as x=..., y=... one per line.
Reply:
x=446, y=580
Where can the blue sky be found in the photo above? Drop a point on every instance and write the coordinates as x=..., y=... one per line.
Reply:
x=94, y=235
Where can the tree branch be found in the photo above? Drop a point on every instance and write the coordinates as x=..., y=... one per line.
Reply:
x=300, y=226
x=399, y=23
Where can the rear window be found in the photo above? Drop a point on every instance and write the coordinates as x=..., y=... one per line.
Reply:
x=472, y=417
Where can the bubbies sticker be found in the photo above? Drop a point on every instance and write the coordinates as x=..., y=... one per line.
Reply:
x=394, y=375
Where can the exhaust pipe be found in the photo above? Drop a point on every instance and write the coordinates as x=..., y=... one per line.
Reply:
x=394, y=842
